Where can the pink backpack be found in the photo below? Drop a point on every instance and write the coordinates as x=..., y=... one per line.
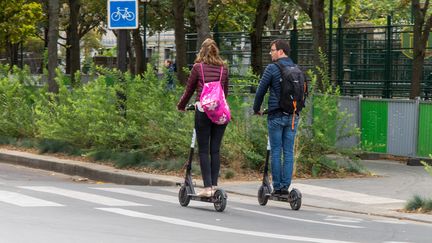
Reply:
x=213, y=100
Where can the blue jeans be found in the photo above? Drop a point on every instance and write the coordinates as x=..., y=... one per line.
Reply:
x=282, y=137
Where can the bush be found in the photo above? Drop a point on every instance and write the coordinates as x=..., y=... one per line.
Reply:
x=133, y=121
x=322, y=125
x=427, y=167
x=17, y=100
x=85, y=117
x=420, y=204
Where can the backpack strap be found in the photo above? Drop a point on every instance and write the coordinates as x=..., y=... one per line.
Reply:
x=221, y=72
x=202, y=72
x=294, y=115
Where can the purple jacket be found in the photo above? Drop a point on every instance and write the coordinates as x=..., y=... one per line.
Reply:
x=195, y=82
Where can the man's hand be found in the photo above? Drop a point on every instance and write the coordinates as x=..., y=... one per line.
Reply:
x=259, y=113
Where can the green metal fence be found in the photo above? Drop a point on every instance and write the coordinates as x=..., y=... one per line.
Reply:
x=425, y=130
x=371, y=61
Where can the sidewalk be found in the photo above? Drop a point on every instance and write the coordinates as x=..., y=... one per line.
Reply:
x=382, y=195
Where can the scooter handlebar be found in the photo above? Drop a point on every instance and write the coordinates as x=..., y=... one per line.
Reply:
x=190, y=107
x=264, y=112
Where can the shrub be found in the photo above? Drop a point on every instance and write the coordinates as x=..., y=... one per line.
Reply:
x=17, y=99
x=427, y=167
x=418, y=203
x=322, y=125
x=85, y=117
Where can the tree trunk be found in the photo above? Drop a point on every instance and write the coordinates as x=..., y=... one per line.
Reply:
x=417, y=73
x=318, y=30
x=53, y=32
x=46, y=32
x=315, y=11
x=180, y=42
x=131, y=58
x=73, y=39
x=202, y=21
x=138, y=46
x=421, y=31
x=13, y=54
x=261, y=15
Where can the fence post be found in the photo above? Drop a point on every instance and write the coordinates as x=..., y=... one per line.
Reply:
x=294, y=42
x=416, y=127
x=340, y=53
x=388, y=61
x=330, y=41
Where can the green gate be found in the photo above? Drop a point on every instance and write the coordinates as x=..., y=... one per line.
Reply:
x=374, y=125
x=424, y=146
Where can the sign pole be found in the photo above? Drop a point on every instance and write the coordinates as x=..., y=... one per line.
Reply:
x=122, y=15
x=122, y=50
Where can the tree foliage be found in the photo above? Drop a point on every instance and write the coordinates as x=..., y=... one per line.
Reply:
x=373, y=12
x=18, y=20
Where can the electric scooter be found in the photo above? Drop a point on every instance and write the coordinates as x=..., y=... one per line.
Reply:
x=294, y=197
x=187, y=190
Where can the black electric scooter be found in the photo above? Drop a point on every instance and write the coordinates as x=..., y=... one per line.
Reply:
x=294, y=197
x=187, y=190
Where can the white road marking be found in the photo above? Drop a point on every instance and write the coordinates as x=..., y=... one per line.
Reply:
x=343, y=219
x=232, y=197
x=298, y=219
x=346, y=196
x=152, y=196
x=25, y=201
x=187, y=223
x=389, y=221
x=396, y=242
x=83, y=196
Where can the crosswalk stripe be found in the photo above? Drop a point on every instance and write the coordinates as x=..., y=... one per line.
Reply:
x=152, y=196
x=232, y=197
x=83, y=196
x=149, y=195
x=297, y=219
x=192, y=224
x=346, y=196
x=25, y=201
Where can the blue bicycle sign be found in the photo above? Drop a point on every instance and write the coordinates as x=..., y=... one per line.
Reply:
x=122, y=14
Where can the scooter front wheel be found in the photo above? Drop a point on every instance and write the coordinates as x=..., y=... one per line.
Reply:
x=263, y=191
x=220, y=200
x=295, y=197
x=183, y=196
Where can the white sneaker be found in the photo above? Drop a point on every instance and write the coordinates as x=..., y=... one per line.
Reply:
x=206, y=192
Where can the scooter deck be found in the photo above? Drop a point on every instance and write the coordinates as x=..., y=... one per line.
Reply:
x=279, y=197
x=202, y=199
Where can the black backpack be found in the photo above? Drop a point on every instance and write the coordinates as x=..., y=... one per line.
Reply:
x=293, y=90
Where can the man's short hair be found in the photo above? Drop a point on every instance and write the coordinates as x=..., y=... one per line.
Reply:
x=281, y=45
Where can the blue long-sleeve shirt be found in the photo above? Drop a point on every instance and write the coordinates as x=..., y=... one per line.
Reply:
x=270, y=80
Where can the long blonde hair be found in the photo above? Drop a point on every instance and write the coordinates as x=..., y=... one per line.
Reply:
x=209, y=53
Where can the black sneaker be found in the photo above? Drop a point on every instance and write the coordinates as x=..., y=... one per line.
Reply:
x=277, y=192
x=284, y=191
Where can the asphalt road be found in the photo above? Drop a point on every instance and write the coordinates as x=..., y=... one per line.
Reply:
x=41, y=206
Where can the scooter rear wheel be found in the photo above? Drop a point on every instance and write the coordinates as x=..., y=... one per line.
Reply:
x=183, y=196
x=296, y=199
x=220, y=198
x=263, y=191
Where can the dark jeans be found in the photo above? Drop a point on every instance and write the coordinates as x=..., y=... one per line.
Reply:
x=209, y=137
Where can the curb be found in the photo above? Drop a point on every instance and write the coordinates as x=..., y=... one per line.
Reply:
x=106, y=174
